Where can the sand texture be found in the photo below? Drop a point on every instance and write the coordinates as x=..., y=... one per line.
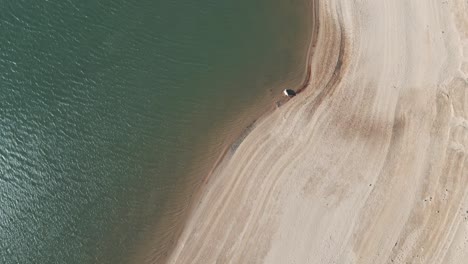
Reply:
x=366, y=165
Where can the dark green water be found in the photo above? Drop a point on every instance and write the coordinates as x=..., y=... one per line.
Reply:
x=112, y=111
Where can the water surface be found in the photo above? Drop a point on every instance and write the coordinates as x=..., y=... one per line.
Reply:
x=111, y=113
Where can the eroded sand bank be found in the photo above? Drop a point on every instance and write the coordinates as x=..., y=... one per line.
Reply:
x=368, y=164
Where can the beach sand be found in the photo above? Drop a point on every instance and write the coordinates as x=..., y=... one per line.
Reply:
x=366, y=165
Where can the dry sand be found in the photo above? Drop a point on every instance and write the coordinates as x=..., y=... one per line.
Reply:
x=367, y=165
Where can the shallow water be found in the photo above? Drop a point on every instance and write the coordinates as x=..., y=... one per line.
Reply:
x=111, y=113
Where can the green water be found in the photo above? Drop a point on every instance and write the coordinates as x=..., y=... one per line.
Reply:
x=111, y=110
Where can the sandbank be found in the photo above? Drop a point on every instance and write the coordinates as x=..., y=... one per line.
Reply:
x=366, y=165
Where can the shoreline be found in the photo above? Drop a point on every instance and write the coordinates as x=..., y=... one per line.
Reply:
x=147, y=254
x=230, y=149
x=342, y=173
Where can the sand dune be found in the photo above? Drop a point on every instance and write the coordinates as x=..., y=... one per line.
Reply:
x=367, y=165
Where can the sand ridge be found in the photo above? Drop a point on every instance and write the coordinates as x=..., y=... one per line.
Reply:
x=367, y=165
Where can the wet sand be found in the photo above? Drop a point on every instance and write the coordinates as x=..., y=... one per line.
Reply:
x=367, y=164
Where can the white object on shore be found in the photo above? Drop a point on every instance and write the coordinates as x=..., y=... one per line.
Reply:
x=289, y=92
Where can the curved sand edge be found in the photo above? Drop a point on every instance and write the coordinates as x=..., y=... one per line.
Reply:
x=365, y=166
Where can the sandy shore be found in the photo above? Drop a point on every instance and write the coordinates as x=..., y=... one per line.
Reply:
x=367, y=165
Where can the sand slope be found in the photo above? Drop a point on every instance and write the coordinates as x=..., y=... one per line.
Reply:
x=367, y=165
